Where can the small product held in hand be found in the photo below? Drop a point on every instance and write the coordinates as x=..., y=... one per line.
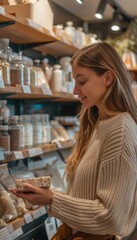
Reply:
x=43, y=182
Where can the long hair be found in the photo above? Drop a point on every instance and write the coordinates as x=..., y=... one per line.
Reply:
x=101, y=57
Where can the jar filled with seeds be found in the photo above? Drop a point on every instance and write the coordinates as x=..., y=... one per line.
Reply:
x=4, y=137
x=17, y=71
x=14, y=131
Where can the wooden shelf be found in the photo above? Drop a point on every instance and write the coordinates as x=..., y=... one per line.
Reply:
x=57, y=49
x=36, y=151
x=36, y=93
x=133, y=69
x=22, y=33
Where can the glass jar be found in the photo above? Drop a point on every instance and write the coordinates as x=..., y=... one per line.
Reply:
x=37, y=130
x=28, y=127
x=5, y=69
x=22, y=133
x=17, y=71
x=14, y=131
x=4, y=137
x=57, y=77
x=4, y=112
x=34, y=77
x=46, y=128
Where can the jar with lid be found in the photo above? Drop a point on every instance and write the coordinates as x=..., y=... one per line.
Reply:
x=70, y=30
x=57, y=77
x=37, y=130
x=5, y=69
x=4, y=137
x=4, y=112
x=27, y=72
x=26, y=120
x=14, y=131
x=34, y=76
x=46, y=128
x=22, y=133
x=17, y=71
x=5, y=48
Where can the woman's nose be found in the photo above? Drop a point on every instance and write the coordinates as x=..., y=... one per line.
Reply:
x=76, y=90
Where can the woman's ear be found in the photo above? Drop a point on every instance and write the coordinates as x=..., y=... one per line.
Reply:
x=109, y=77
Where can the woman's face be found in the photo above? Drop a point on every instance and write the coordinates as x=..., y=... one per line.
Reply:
x=90, y=87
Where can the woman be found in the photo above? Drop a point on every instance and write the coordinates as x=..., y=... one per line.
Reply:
x=101, y=200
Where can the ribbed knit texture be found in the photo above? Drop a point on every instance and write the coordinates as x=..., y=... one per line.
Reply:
x=102, y=198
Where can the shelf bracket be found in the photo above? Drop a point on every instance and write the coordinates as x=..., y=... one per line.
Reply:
x=6, y=24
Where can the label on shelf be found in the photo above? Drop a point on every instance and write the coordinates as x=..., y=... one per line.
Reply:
x=32, y=152
x=36, y=214
x=1, y=156
x=38, y=151
x=50, y=226
x=10, y=227
x=42, y=210
x=28, y=218
x=2, y=10
x=18, y=154
x=45, y=90
x=59, y=144
x=15, y=234
x=2, y=83
x=26, y=89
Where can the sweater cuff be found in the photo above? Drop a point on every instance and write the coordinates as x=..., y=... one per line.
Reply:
x=56, y=203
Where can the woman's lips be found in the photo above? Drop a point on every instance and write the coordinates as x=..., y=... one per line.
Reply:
x=82, y=100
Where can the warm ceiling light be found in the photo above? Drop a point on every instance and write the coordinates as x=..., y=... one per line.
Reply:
x=101, y=9
x=80, y=1
x=116, y=21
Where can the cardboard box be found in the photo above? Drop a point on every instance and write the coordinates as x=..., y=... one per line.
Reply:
x=39, y=12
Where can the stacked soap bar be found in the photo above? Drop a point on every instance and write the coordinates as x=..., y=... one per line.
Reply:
x=43, y=182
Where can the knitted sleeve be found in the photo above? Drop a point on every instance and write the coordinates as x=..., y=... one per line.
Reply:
x=114, y=210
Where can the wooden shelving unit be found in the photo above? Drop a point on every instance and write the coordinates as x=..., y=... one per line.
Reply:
x=37, y=151
x=22, y=33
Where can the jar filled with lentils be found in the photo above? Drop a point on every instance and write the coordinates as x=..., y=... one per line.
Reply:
x=14, y=131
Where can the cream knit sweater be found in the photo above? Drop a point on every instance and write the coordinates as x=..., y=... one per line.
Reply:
x=102, y=198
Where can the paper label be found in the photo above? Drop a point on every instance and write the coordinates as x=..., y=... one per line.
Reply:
x=32, y=152
x=18, y=154
x=36, y=214
x=2, y=156
x=59, y=145
x=26, y=89
x=42, y=210
x=28, y=218
x=45, y=90
x=38, y=151
x=10, y=227
x=50, y=227
x=15, y=234
x=2, y=83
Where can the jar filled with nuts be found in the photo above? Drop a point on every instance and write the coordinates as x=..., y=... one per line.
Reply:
x=17, y=71
x=4, y=137
x=14, y=131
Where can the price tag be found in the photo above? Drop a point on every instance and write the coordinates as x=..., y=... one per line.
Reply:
x=26, y=89
x=2, y=156
x=50, y=226
x=42, y=210
x=38, y=151
x=2, y=83
x=36, y=214
x=18, y=232
x=32, y=152
x=18, y=154
x=45, y=89
x=10, y=227
x=59, y=145
x=28, y=218
x=58, y=222
x=2, y=10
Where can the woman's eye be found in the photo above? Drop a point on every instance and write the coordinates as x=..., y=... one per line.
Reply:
x=81, y=82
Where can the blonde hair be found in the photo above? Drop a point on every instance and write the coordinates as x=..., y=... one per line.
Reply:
x=101, y=57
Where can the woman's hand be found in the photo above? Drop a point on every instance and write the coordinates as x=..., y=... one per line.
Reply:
x=35, y=195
